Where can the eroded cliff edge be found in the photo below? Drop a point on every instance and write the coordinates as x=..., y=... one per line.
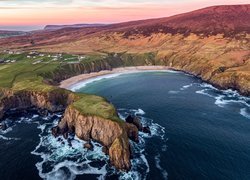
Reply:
x=81, y=117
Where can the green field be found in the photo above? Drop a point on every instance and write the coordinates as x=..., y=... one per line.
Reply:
x=30, y=73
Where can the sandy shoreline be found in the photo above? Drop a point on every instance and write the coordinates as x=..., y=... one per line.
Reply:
x=68, y=83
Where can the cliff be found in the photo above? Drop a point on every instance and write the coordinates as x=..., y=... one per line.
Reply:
x=223, y=68
x=111, y=134
x=103, y=126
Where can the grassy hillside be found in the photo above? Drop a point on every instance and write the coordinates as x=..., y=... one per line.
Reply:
x=23, y=72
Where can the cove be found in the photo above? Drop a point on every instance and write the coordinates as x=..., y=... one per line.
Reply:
x=206, y=131
x=198, y=132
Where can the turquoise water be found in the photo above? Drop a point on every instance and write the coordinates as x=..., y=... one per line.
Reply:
x=198, y=132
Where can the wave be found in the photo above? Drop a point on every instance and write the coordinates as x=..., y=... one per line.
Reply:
x=186, y=86
x=226, y=97
x=245, y=113
x=173, y=92
x=157, y=164
x=61, y=160
x=8, y=138
x=139, y=112
x=84, y=83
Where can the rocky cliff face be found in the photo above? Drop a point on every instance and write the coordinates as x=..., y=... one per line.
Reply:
x=113, y=135
x=52, y=101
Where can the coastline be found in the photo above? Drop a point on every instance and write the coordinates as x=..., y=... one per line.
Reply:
x=73, y=81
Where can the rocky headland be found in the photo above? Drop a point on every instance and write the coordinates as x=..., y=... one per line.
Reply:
x=106, y=128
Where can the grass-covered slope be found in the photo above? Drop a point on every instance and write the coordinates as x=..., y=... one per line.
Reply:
x=28, y=82
x=23, y=72
x=212, y=43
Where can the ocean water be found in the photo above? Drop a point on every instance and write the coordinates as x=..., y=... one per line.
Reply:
x=198, y=132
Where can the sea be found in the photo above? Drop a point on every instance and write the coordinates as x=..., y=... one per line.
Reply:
x=198, y=132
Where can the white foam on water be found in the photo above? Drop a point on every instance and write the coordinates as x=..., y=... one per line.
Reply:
x=9, y=129
x=139, y=112
x=56, y=154
x=10, y=126
x=206, y=85
x=173, y=92
x=186, y=86
x=203, y=92
x=219, y=101
x=157, y=164
x=244, y=113
x=83, y=83
x=35, y=116
x=8, y=138
x=3, y=137
x=140, y=163
x=60, y=161
x=226, y=97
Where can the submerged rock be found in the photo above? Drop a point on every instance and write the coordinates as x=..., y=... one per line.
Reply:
x=132, y=132
x=134, y=120
x=43, y=112
x=146, y=130
x=89, y=146
x=105, y=150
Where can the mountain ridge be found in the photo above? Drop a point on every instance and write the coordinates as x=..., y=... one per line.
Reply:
x=57, y=27
x=230, y=20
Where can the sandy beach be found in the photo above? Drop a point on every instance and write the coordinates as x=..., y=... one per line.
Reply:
x=68, y=83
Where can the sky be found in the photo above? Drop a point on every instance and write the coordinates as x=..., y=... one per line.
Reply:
x=35, y=14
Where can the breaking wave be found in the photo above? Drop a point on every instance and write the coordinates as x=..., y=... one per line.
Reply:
x=157, y=164
x=226, y=97
x=62, y=159
x=244, y=112
x=187, y=86
x=84, y=83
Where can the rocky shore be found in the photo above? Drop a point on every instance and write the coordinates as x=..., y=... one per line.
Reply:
x=113, y=134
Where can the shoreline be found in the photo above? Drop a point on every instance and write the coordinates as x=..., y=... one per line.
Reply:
x=73, y=81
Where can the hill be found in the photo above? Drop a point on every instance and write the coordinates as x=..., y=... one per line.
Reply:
x=4, y=33
x=56, y=27
x=211, y=43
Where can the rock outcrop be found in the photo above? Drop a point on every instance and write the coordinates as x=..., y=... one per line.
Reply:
x=134, y=120
x=113, y=135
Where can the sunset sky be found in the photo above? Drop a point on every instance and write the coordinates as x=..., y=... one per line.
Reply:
x=34, y=14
